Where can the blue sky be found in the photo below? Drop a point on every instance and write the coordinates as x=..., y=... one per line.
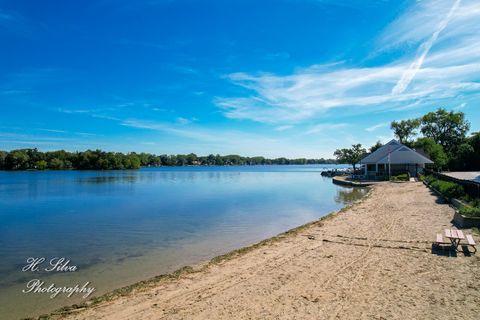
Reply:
x=272, y=78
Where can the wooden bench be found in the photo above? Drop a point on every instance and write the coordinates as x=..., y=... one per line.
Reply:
x=448, y=233
x=471, y=242
x=440, y=240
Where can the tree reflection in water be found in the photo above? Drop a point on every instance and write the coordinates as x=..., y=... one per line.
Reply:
x=349, y=195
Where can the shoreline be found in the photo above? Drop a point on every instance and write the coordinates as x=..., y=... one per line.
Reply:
x=196, y=268
x=371, y=259
x=177, y=166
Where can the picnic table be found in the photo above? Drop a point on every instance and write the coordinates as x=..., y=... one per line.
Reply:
x=455, y=237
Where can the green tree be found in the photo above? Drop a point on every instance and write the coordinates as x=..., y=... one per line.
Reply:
x=474, y=161
x=376, y=146
x=351, y=156
x=448, y=129
x=191, y=159
x=17, y=160
x=3, y=155
x=55, y=164
x=433, y=150
x=41, y=165
x=24, y=159
x=463, y=157
x=405, y=129
x=219, y=160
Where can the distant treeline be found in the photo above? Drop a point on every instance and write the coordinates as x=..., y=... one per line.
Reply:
x=27, y=159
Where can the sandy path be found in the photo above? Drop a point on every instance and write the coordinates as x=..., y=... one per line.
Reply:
x=372, y=261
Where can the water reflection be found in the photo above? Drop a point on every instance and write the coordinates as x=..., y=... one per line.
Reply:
x=124, y=226
x=109, y=179
x=350, y=195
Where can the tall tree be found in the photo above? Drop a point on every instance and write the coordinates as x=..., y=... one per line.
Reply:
x=351, y=156
x=448, y=129
x=433, y=150
x=376, y=146
x=3, y=155
x=405, y=129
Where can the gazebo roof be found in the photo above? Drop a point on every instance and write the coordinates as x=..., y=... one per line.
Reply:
x=405, y=155
x=399, y=154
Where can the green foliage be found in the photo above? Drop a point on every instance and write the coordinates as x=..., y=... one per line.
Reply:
x=444, y=139
x=17, y=160
x=448, y=129
x=470, y=211
x=3, y=155
x=448, y=188
x=400, y=177
x=351, y=156
x=467, y=156
x=376, y=146
x=433, y=150
x=41, y=165
x=24, y=159
x=405, y=129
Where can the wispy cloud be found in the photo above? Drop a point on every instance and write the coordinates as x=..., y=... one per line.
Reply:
x=308, y=93
x=325, y=127
x=377, y=126
x=22, y=138
x=410, y=73
x=184, y=69
x=205, y=140
x=185, y=121
x=30, y=80
x=53, y=130
x=5, y=17
x=283, y=128
x=276, y=56
x=191, y=133
x=438, y=75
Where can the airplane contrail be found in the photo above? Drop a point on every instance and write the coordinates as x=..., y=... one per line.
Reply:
x=410, y=73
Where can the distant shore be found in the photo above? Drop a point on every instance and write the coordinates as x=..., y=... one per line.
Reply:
x=371, y=260
x=32, y=158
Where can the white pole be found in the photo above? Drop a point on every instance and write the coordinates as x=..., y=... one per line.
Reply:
x=389, y=165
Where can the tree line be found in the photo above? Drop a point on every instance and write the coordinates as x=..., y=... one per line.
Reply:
x=33, y=159
x=441, y=135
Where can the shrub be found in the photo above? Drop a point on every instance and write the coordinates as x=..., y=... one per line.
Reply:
x=470, y=211
x=400, y=177
x=447, y=188
x=429, y=179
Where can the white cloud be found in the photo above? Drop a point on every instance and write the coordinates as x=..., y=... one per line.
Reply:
x=325, y=127
x=447, y=66
x=377, y=126
x=53, y=130
x=283, y=128
x=224, y=141
x=410, y=73
x=183, y=121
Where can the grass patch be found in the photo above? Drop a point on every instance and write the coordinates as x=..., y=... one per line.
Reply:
x=448, y=188
x=400, y=177
x=473, y=212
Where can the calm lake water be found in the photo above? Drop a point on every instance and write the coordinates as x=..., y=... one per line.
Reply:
x=119, y=227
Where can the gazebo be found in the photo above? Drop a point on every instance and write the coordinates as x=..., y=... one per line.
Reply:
x=394, y=158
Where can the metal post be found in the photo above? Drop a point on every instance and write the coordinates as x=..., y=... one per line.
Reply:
x=389, y=167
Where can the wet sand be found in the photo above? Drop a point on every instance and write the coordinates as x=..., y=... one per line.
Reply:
x=373, y=260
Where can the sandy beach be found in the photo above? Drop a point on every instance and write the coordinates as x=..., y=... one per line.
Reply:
x=373, y=260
